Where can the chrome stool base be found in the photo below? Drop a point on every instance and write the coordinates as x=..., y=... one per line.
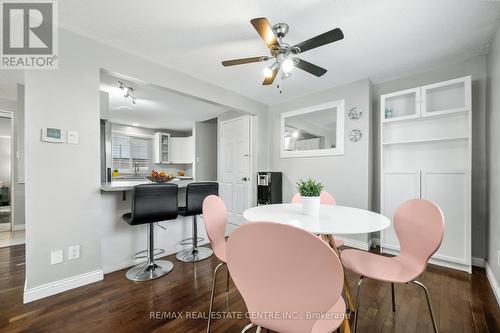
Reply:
x=149, y=271
x=194, y=255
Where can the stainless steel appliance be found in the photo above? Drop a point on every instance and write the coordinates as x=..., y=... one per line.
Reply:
x=269, y=188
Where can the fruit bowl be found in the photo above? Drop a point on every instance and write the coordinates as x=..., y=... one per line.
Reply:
x=160, y=179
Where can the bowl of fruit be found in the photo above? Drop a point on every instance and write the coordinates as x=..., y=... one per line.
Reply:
x=160, y=177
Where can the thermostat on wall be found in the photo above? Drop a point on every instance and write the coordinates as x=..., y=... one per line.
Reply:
x=50, y=134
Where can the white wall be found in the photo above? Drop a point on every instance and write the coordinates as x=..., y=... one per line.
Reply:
x=347, y=177
x=493, y=159
x=476, y=67
x=63, y=200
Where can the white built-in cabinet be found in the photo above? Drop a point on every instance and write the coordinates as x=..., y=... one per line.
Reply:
x=171, y=149
x=182, y=150
x=426, y=153
x=161, y=153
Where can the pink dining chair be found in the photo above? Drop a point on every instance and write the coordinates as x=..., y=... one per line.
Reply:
x=325, y=199
x=419, y=226
x=215, y=219
x=275, y=276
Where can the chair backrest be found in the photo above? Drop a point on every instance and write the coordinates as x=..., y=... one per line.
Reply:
x=215, y=219
x=282, y=269
x=196, y=193
x=154, y=203
x=325, y=198
x=419, y=226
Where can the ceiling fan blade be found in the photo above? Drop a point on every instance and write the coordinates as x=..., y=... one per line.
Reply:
x=320, y=40
x=261, y=24
x=244, y=61
x=310, y=68
x=270, y=80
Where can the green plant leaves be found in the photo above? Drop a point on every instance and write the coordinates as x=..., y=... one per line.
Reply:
x=309, y=188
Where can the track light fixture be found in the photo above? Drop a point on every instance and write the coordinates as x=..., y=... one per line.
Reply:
x=127, y=91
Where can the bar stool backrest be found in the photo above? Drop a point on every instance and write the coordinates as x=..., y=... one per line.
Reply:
x=196, y=193
x=154, y=203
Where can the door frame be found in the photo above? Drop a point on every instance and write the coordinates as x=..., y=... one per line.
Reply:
x=13, y=154
x=220, y=124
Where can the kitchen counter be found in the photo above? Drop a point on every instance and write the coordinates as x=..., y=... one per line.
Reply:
x=128, y=185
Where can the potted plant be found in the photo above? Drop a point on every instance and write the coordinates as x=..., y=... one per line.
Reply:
x=310, y=192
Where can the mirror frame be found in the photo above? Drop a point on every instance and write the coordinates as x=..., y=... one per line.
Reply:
x=339, y=150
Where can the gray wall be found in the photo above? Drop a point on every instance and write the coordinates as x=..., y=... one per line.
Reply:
x=206, y=150
x=493, y=156
x=348, y=176
x=476, y=67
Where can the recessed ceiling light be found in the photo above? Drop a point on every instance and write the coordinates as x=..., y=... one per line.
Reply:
x=135, y=124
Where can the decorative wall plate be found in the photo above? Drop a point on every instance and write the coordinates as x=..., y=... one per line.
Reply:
x=355, y=113
x=355, y=135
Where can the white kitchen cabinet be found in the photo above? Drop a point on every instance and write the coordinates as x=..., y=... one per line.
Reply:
x=426, y=153
x=181, y=150
x=161, y=152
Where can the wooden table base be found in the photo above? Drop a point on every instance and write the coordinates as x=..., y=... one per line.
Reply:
x=352, y=307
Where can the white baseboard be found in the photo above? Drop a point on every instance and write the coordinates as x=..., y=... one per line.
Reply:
x=56, y=287
x=357, y=244
x=17, y=227
x=493, y=282
x=478, y=262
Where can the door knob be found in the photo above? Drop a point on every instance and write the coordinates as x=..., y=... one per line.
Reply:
x=244, y=179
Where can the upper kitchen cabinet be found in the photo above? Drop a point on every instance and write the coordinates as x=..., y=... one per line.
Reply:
x=401, y=105
x=438, y=99
x=446, y=97
x=181, y=150
x=162, y=148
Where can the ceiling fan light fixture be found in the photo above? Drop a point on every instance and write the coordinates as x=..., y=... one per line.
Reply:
x=268, y=71
x=287, y=65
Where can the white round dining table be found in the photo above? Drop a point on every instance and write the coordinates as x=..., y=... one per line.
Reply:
x=332, y=219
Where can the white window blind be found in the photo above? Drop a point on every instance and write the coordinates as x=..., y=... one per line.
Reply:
x=129, y=152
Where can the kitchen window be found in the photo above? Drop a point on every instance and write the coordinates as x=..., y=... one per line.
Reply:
x=132, y=154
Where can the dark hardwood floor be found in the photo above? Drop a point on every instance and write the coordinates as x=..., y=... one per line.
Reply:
x=462, y=303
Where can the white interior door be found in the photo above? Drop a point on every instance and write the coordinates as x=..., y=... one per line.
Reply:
x=234, y=172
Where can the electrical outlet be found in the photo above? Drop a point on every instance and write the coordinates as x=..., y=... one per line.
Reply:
x=73, y=252
x=56, y=257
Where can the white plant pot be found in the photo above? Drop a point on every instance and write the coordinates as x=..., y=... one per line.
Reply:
x=310, y=205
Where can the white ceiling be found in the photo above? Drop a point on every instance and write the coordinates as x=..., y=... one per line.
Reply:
x=155, y=107
x=383, y=38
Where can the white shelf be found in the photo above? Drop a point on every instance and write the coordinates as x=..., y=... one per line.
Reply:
x=432, y=115
x=424, y=140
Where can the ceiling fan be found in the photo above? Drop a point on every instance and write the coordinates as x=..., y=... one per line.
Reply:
x=283, y=54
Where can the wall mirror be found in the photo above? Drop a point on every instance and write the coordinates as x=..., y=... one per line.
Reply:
x=313, y=131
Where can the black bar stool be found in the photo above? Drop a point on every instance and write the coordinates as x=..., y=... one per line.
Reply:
x=195, y=194
x=152, y=203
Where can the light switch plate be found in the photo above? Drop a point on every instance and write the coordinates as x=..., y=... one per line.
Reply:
x=73, y=137
x=73, y=252
x=56, y=257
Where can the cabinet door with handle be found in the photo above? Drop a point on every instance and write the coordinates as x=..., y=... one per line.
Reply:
x=181, y=150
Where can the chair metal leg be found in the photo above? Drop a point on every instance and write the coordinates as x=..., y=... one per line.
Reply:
x=428, y=304
x=393, y=298
x=259, y=329
x=212, y=296
x=246, y=328
x=356, y=314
